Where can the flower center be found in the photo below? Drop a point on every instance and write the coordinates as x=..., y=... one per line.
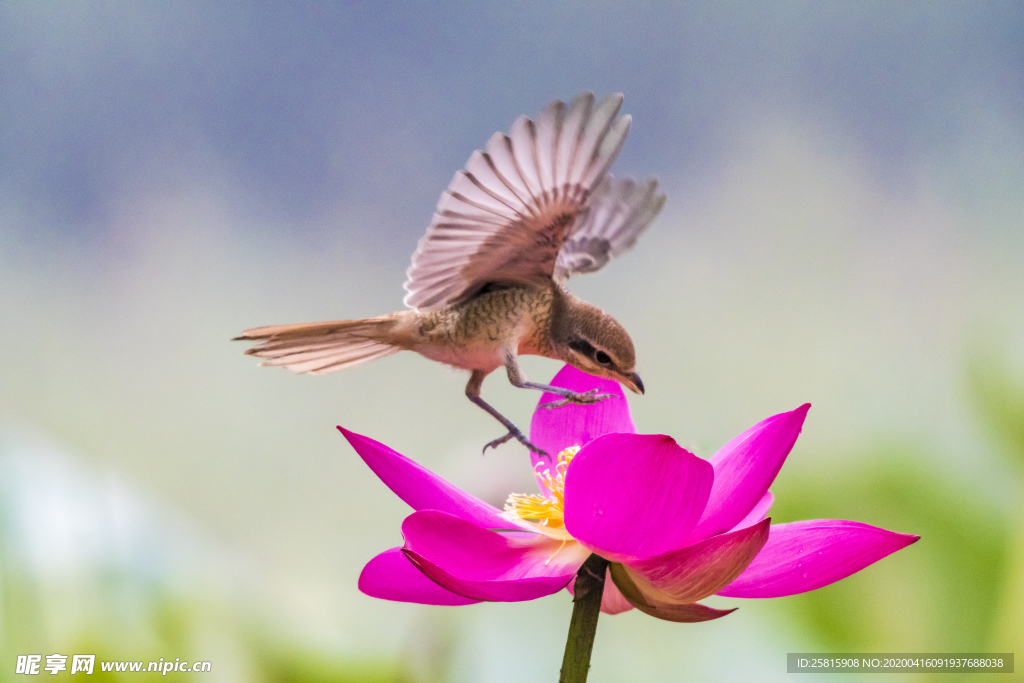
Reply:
x=541, y=509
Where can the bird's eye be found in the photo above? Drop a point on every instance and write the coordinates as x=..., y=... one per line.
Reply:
x=603, y=358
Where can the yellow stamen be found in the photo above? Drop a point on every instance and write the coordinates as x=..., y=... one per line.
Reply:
x=546, y=510
x=557, y=550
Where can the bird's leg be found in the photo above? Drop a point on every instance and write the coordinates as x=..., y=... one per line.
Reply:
x=476, y=380
x=517, y=378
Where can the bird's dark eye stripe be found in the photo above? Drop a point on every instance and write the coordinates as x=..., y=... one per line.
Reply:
x=582, y=346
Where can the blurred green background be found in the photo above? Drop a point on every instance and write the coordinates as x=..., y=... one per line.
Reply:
x=843, y=226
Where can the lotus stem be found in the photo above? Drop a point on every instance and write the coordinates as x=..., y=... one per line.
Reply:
x=586, y=608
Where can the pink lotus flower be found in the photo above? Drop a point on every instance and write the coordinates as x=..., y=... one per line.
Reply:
x=675, y=528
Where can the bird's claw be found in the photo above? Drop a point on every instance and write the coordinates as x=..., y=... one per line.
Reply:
x=515, y=433
x=587, y=398
x=497, y=442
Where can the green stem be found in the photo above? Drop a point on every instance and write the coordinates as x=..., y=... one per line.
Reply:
x=586, y=608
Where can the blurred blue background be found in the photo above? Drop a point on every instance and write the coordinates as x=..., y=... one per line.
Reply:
x=843, y=226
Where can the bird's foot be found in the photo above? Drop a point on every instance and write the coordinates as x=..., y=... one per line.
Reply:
x=587, y=398
x=515, y=433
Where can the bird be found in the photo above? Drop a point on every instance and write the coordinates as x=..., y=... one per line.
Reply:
x=535, y=207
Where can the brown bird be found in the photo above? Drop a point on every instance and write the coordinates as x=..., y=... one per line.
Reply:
x=486, y=283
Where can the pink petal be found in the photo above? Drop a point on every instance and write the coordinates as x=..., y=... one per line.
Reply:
x=745, y=468
x=485, y=565
x=686, y=613
x=695, y=572
x=629, y=496
x=391, y=576
x=802, y=556
x=612, y=600
x=759, y=512
x=421, y=488
x=555, y=429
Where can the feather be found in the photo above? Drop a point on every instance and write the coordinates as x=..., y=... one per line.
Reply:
x=505, y=217
x=325, y=347
x=619, y=211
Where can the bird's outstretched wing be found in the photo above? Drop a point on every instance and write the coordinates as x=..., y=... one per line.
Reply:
x=618, y=211
x=506, y=216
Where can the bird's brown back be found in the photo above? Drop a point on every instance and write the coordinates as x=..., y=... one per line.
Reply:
x=495, y=316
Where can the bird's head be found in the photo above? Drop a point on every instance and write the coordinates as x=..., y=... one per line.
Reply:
x=591, y=340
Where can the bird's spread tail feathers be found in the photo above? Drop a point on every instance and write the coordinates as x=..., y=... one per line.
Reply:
x=319, y=348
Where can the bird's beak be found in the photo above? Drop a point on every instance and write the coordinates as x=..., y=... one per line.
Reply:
x=634, y=382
